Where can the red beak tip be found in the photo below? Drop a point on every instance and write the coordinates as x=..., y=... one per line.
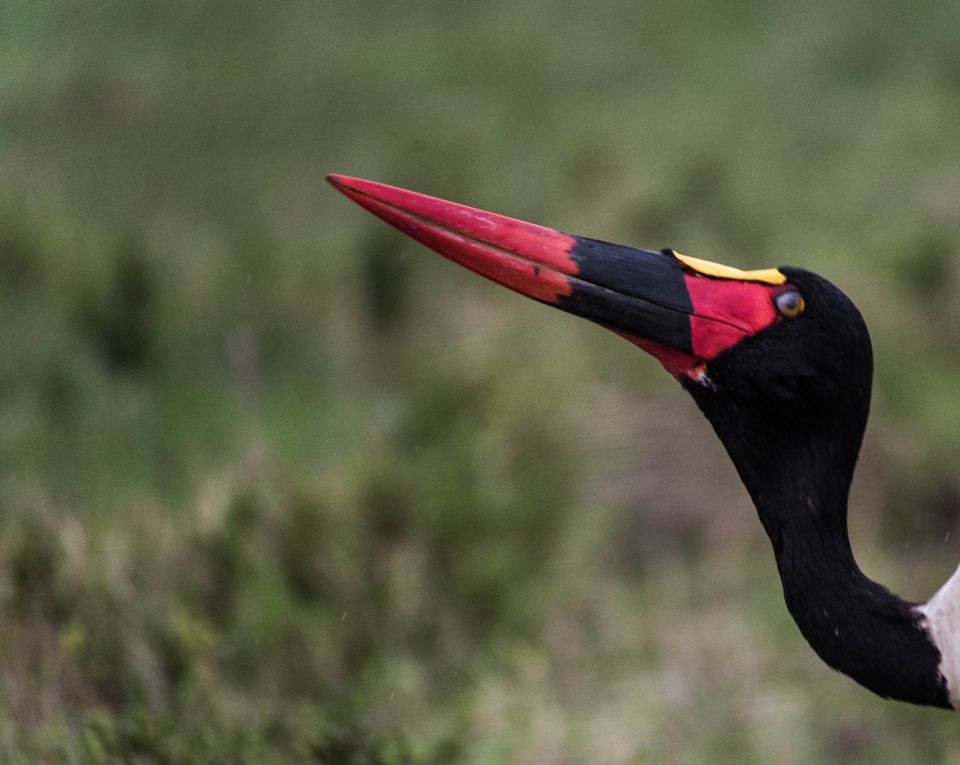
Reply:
x=338, y=181
x=354, y=187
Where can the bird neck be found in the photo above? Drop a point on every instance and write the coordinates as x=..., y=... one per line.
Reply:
x=854, y=624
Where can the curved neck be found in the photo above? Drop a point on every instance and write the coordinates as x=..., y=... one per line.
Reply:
x=854, y=624
x=798, y=474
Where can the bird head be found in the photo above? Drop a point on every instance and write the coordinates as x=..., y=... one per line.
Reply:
x=769, y=355
x=812, y=359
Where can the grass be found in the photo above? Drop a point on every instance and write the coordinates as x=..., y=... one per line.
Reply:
x=279, y=486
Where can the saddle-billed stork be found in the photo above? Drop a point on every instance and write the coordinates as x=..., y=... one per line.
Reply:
x=780, y=363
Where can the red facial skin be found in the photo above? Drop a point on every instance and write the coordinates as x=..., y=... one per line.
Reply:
x=724, y=313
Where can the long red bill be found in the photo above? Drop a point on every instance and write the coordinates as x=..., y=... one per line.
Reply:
x=682, y=310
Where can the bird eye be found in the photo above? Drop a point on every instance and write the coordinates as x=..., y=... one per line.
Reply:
x=790, y=303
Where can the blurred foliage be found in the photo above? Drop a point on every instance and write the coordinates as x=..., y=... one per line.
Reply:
x=278, y=486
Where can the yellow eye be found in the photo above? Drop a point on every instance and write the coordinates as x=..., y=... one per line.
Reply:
x=790, y=303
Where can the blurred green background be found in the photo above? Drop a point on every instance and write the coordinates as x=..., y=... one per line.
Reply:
x=279, y=485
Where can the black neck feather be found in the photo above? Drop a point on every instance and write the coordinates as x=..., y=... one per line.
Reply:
x=798, y=474
x=854, y=624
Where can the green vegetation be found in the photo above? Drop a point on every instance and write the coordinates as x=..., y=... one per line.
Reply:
x=279, y=486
